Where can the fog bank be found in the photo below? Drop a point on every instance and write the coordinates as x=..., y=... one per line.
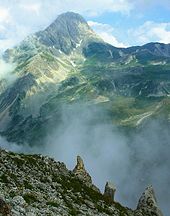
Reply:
x=6, y=70
x=131, y=162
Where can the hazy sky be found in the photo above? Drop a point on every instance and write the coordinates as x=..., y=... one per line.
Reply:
x=119, y=22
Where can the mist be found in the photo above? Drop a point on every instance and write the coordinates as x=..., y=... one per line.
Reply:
x=6, y=70
x=130, y=161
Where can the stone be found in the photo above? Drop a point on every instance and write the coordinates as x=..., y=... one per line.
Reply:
x=110, y=190
x=18, y=200
x=4, y=208
x=69, y=193
x=81, y=172
x=148, y=203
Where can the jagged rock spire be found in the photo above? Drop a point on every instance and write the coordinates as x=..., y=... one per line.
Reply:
x=83, y=175
x=110, y=190
x=80, y=163
x=148, y=203
x=81, y=172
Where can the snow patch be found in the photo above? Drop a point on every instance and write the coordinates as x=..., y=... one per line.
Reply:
x=111, y=54
x=73, y=64
x=78, y=44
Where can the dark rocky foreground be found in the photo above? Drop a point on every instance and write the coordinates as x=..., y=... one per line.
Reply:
x=37, y=185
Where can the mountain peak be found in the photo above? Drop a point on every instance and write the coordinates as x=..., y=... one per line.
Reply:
x=70, y=16
x=66, y=32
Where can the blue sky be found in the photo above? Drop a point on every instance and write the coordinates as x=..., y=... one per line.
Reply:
x=120, y=22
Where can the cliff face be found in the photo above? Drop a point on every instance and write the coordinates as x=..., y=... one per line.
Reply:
x=37, y=185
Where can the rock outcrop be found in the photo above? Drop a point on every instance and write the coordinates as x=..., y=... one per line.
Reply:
x=148, y=203
x=110, y=190
x=4, y=208
x=81, y=172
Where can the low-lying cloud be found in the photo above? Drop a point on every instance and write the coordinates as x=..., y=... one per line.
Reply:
x=131, y=161
x=6, y=71
x=106, y=32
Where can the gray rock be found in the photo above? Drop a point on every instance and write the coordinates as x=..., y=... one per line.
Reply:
x=81, y=172
x=18, y=200
x=40, y=186
x=148, y=203
x=110, y=190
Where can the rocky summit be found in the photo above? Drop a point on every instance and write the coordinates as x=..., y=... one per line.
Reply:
x=34, y=185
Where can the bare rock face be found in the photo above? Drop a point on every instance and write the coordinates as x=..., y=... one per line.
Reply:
x=81, y=172
x=83, y=175
x=110, y=190
x=4, y=208
x=148, y=203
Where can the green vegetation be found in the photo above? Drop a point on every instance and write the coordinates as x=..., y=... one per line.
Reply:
x=4, y=178
x=53, y=204
x=30, y=198
x=48, y=57
x=128, y=84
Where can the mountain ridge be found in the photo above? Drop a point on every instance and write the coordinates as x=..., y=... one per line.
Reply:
x=102, y=71
x=48, y=187
x=125, y=88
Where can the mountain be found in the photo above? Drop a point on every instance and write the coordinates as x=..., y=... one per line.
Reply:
x=66, y=33
x=68, y=63
x=38, y=185
x=70, y=89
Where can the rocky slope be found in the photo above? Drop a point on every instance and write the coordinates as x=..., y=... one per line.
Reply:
x=37, y=185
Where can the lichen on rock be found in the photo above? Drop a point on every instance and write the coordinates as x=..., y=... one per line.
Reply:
x=148, y=203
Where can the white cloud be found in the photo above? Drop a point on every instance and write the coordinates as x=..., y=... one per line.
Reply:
x=6, y=70
x=31, y=7
x=93, y=8
x=9, y=38
x=4, y=15
x=98, y=7
x=144, y=4
x=5, y=44
x=19, y=18
x=111, y=40
x=101, y=26
x=34, y=15
x=106, y=32
x=151, y=31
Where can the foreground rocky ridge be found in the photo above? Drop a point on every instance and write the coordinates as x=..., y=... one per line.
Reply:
x=38, y=185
